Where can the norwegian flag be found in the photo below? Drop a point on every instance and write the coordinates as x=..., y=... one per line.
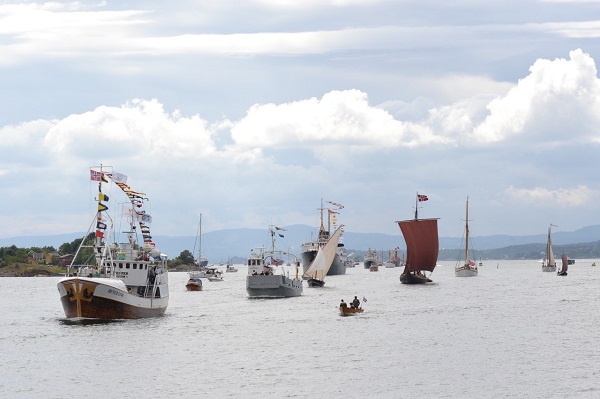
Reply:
x=422, y=197
x=95, y=175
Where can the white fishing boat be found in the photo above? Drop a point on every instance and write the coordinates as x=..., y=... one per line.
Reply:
x=267, y=278
x=422, y=247
x=549, y=263
x=317, y=270
x=128, y=280
x=468, y=268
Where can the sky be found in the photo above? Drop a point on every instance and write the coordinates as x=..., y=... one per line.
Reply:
x=251, y=112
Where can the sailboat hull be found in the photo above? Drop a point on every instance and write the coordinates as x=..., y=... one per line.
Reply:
x=410, y=278
x=465, y=272
x=548, y=268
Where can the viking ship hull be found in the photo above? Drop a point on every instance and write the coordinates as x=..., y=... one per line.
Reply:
x=347, y=311
x=411, y=278
x=89, y=298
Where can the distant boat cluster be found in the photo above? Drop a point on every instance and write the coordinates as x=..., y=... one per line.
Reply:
x=129, y=280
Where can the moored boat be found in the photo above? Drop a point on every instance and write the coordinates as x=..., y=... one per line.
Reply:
x=468, y=268
x=422, y=247
x=128, y=280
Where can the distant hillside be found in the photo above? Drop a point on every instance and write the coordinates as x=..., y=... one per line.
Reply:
x=219, y=245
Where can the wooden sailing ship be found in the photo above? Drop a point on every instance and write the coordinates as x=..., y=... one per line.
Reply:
x=422, y=246
x=565, y=265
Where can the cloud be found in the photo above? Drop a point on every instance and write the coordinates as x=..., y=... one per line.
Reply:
x=140, y=128
x=338, y=118
x=551, y=98
x=544, y=197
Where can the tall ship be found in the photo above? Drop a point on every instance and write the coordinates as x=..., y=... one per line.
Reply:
x=371, y=259
x=549, y=264
x=468, y=268
x=267, y=277
x=318, y=268
x=311, y=248
x=422, y=246
x=127, y=280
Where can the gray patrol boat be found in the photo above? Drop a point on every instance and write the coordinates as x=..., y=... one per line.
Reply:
x=267, y=276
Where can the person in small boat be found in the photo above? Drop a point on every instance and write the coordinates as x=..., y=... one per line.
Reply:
x=343, y=304
x=355, y=302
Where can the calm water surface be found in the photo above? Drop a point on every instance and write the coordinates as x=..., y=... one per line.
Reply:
x=511, y=332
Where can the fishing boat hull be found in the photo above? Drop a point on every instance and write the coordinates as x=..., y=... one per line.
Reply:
x=107, y=299
x=548, y=268
x=390, y=265
x=313, y=282
x=272, y=286
x=410, y=278
x=368, y=263
x=465, y=271
x=348, y=311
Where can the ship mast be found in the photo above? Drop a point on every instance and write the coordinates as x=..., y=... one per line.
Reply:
x=467, y=233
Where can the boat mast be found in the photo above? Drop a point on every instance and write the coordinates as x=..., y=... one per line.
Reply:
x=200, y=241
x=467, y=233
x=417, y=206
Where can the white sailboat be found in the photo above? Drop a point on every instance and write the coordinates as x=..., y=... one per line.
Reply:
x=202, y=261
x=318, y=268
x=469, y=268
x=549, y=264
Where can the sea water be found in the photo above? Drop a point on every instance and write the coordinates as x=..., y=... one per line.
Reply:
x=511, y=332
